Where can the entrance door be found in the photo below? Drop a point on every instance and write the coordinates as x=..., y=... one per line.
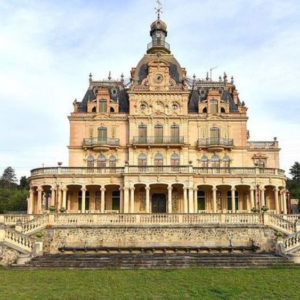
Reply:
x=159, y=203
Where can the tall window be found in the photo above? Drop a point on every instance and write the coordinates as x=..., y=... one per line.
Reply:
x=101, y=163
x=158, y=162
x=142, y=133
x=175, y=160
x=213, y=106
x=204, y=161
x=87, y=200
x=158, y=133
x=102, y=134
x=201, y=200
x=214, y=136
x=90, y=161
x=115, y=200
x=142, y=162
x=103, y=105
x=229, y=203
x=112, y=162
x=215, y=161
x=226, y=161
x=175, y=133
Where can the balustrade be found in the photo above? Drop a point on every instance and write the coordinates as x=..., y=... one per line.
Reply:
x=292, y=242
x=280, y=223
x=18, y=239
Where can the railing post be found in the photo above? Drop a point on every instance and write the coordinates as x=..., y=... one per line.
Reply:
x=2, y=234
x=1, y=219
x=297, y=225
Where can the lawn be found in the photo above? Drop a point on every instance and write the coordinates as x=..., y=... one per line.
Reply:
x=282, y=283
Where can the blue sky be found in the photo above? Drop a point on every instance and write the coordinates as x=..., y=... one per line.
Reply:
x=48, y=48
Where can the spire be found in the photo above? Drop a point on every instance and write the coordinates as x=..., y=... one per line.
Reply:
x=158, y=9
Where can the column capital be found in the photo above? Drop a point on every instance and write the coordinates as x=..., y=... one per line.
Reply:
x=262, y=189
x=252, y=188
x=102, y=189
x=214, y=188
x=276, y=189
x=83, y=188
x=233, y=188
x=132, y=188
x=147, y=188
x=170, y=187
x=40, y=189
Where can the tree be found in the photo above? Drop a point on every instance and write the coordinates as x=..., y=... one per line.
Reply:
x=9, y=177
x=24, y=183
x=295, y=171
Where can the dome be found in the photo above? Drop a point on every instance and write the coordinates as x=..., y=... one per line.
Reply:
x=158, y=25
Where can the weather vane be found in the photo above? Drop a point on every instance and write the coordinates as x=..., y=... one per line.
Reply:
x=158, y=8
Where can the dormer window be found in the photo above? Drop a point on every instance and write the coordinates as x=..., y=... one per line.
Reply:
x=103, y=106
x=214, y=106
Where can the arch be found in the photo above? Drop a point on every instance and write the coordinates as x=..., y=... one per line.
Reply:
x=112, y=161
x=90, y=161
x=226, y=160
x=158, y=159
x=101, y=162
x=204, y=161
x=215, y=161
x=112, y=110
x=94, y=109
x=142, y=159
x=222, y=110
x=204, y=110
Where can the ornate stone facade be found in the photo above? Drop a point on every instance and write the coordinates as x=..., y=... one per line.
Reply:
x=161, y=143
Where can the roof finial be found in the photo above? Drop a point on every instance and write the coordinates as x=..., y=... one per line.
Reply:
x=122, y=77
x=109, y=76
x=158, y=9
x=90, y=77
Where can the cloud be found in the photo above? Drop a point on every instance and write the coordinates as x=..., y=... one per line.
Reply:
x=48, y=48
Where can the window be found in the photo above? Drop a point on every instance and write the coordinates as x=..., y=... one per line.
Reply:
x=158, y=162
x=226, y=161
x=201, y=200
x=142, y=133
x=204, y=110
x=229, y=203
x=142, y=162
x=102, y=135
x=175, y=133
x=112, y=162
x=204, y=161
x=90, y=161
x=214, y=136
x=101, y=163
x=143, y=106
x=260, y=162
x=215, y=161
x=115, y=200
x=87, y=200
x=175, y=159
x=112, y=110
x=94, y=109
x=213, y=106
x=175, y=106
x=103, y=105
x=223, y=110
x=158, y=133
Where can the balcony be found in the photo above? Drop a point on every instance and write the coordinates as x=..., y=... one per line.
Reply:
x=84, y=171
x=215, y=144
x=155, y=141
x=100, y=144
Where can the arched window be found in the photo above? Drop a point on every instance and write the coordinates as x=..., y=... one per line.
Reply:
x=204, y=161
x=158, y=133
x=112, y=161
x=112, y=110
x=214, y=136
x=103, y=105
x=90, y=161
x=142, y=159
x=214, y=106
x=142, y=133
x=226, y=161
x=215, y=161
x=175, y=159
x=102, y=134
x=158, y=159
x=222, y=110
x=94, y=109
x=101, y=163
x=201, y=200
x=204, y=110
x=174, y=133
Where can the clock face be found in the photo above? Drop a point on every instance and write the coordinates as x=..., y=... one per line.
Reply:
x=159, y=78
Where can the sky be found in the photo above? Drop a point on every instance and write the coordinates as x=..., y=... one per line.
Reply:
x=48, y=48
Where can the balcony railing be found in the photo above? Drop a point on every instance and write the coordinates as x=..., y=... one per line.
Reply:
x=158, y=140
x=57, y=171
x=263, y=145
x=157, y=43
x=91, y=142
x=207, y=142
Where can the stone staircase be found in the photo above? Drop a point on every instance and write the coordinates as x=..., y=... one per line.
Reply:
x=157, y=261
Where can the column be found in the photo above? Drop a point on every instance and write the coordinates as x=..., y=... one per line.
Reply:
x=191, y=206
x=262, y=196
x=64, y=202
x=102, y=209
x=132, y=200
x=195, y=200
x=126, y=200
x=147, y=199
x=185, y=201
x=170, y=188
x=121, y=199
x=52, y=196
x=30, y=201
x=214, y=192
x=276, y=200
x=83, y=191
x=252, y=191
x=39, y=200
x=233, y=208
x=284, y=202
x=59, y=197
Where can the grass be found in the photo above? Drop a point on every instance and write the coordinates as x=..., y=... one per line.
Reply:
x=250, y=284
